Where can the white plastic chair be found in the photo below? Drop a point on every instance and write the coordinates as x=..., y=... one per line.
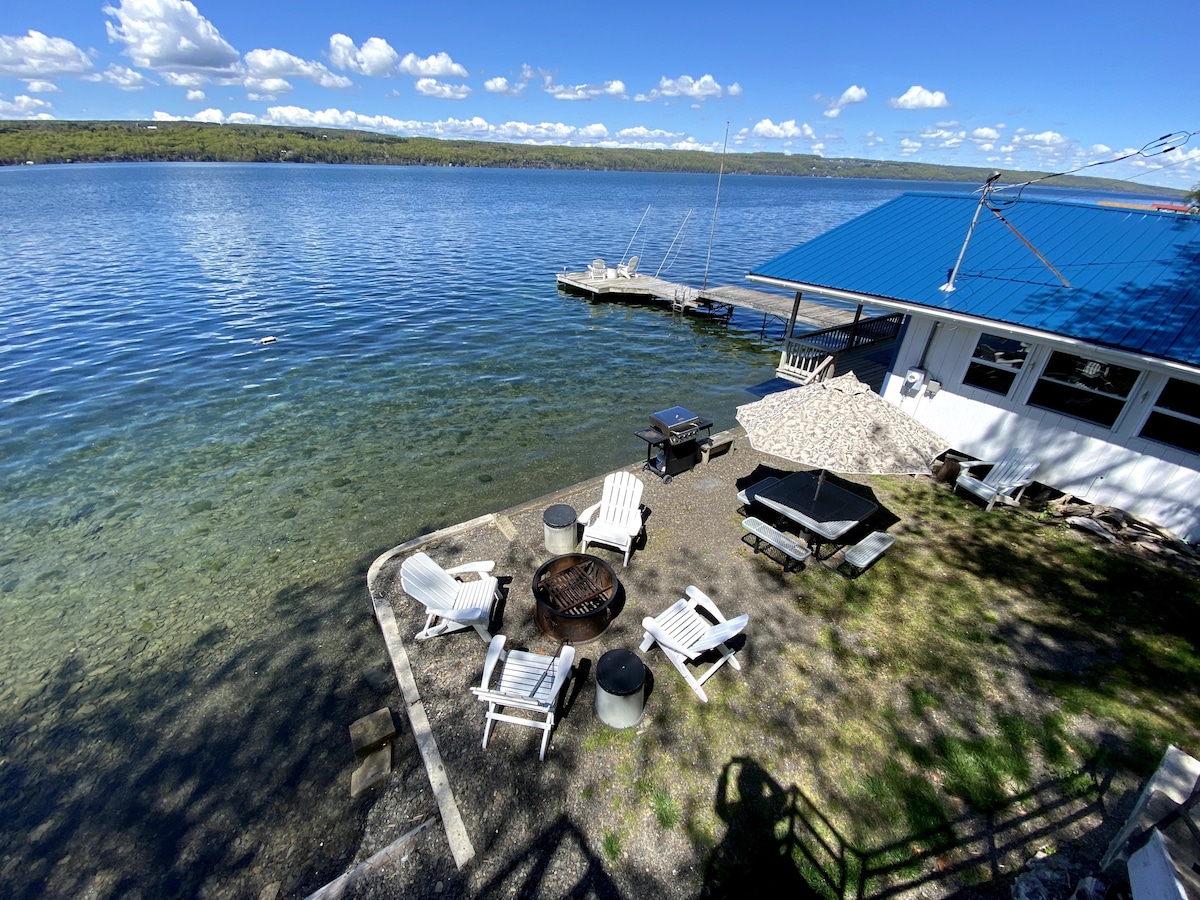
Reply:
x=684, y=634
x=1014, y=471
x=451, y=604
x=616, y=521
x=598, y=271
x=629, y=269
x=527, y=681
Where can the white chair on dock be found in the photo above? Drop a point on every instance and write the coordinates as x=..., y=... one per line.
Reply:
x=616, y=521
x=451, y=604
x=598, y=271
x=629, y=269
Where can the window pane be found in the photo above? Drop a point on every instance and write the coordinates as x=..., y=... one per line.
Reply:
x=989, y=378
x=1099, y=376
x=1181, y=396
x=1167, y=429
x=1075, y=402
x=1001, y=351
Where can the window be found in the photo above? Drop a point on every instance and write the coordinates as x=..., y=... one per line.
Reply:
x=1083, y=388
x=995, y=363
x=1175, y=419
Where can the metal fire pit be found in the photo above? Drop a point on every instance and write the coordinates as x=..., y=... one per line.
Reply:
x=572, y=597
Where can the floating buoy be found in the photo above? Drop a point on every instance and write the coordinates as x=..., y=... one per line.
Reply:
x=269, y=339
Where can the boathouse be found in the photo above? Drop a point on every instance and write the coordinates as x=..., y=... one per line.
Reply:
x=1070, y=329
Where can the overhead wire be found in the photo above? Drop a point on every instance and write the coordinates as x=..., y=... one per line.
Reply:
x=1157, y=147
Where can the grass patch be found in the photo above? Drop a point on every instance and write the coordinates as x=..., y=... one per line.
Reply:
x=611, y=845
x=666, y=810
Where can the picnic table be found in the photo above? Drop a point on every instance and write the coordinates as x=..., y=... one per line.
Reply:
x=825, y=510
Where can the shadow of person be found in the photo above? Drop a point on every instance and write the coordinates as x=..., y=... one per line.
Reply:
x=758, y=843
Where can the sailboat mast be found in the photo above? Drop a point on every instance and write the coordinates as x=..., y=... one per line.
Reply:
x=713, y=230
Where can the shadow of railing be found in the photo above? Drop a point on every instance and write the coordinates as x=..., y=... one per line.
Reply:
x=782, y=833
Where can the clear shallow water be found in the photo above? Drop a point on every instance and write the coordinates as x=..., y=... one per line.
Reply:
x=187, y=513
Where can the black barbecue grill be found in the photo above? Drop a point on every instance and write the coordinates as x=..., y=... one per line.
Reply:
x=672, y=441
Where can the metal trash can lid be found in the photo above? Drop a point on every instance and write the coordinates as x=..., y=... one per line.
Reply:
x=560, y=515
x=620, y=672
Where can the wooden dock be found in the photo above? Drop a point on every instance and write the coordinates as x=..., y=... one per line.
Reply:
x=717, y=302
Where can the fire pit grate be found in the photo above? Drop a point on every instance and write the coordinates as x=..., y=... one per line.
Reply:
x=573, y=596
x=579, y=589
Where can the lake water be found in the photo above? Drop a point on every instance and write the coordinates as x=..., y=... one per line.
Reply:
x=187, y=513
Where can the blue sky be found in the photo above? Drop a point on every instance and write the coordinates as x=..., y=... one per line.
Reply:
x=1044, y=85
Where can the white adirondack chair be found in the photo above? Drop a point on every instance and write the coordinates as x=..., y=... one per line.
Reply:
x=616, y=520
x=527, y=681
x=629, y=269
x=1006, y=481
x=452, y=604
x=598, y=271
x=684, y=634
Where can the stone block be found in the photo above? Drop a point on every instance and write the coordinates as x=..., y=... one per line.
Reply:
x=371, y=732
x=376, y=766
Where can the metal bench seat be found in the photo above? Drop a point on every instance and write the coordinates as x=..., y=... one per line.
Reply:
x=866, y=551
x=790, y=546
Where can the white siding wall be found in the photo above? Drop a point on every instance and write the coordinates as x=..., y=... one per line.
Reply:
x=1101, y=465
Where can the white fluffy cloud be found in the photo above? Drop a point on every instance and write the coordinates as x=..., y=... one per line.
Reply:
x=36, y=55
x=196, y=96
x=181, y=80
x=916, y=97
x=170, y=36
x=431, y=87
x=686, y=86
x=585, y=91
x=41, y=87
x=125, y=78
x=944, y=137
x=985, y=138
x=23, y=106
x=852, y=94
x=279, y=64
x=375, y=58
x=440, y=65
x=641, y=134
x=514, y=87
x=909, y=147
x=789, y=129
x=1046, y=140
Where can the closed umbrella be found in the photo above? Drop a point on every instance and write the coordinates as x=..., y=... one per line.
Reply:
x=842, y=425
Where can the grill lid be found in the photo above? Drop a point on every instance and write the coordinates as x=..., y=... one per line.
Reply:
x=674, y=420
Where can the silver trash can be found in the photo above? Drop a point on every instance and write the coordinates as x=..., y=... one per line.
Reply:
x=620, y=689
x=559, y=528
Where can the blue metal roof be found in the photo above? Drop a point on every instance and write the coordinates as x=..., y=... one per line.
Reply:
x=1134, y=274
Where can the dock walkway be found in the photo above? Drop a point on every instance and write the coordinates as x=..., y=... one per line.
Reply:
x=717, y=302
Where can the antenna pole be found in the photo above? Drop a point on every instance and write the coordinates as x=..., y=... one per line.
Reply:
x=987, y=188
x=713, y=231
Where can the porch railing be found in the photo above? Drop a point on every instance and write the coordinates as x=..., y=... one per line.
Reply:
x=811, y=357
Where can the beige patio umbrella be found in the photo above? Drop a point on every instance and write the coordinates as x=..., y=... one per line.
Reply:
x=841, y=425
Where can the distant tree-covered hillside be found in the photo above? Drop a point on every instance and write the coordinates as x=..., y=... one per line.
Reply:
x=68, y=142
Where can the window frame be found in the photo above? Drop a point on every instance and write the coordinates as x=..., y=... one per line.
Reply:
x=1016, y=373
x=1062, y=384
x=1156, y=408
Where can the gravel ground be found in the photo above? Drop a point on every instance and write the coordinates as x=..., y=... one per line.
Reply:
x=551, y=829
